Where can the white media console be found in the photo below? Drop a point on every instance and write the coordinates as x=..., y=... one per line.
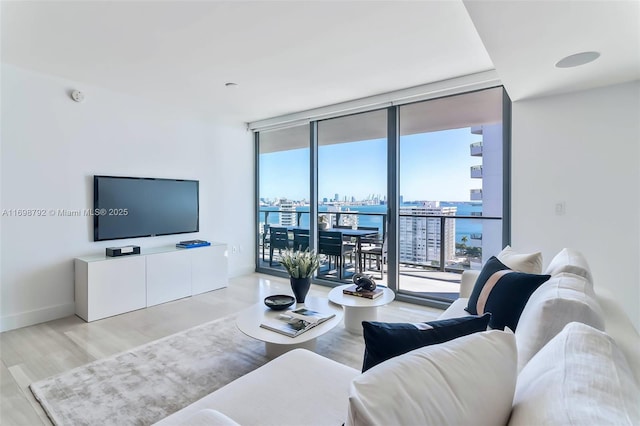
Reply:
x=107, y=286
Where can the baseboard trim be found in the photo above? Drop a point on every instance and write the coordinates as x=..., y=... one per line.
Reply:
x=36, y=316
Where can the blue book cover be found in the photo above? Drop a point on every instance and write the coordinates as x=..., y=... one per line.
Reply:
x=193, y=244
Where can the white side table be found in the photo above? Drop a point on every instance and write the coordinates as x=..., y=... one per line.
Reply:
x=249, y=320
x=358, y=309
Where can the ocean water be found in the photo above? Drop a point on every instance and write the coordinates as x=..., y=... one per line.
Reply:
x=464, y=227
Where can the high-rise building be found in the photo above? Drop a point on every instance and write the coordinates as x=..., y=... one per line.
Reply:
x=288, y=216
x=420, y=236
x=338, y=217
x=489, y=173
x=349, y=219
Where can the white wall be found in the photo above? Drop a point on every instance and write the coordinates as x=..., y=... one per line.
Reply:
x=52, y=147
x=582, y=149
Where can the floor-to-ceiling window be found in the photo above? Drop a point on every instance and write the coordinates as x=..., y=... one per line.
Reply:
x=450, y=190
x=283, y=189
x=437, y=186
x=352, y=191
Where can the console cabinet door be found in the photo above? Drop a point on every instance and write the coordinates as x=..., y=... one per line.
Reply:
x=208, y=268
x=168, y=277
x=114, y=286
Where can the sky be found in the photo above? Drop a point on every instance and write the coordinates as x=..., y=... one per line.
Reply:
x=433, y=166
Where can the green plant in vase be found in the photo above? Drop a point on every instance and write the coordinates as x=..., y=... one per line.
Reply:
x=300, y=265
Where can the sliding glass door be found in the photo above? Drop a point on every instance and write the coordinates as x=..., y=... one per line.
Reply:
x=352, y=193
x=451, y=190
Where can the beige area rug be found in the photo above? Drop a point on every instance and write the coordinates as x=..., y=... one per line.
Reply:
x=147, y=383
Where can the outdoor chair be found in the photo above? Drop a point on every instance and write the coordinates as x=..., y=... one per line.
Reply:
x=300, y=239
x=373, y=248
x=331, y=245
x=279, y=240
x=265, y=239
x=347, y=240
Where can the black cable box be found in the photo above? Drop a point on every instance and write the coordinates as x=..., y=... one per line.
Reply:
x=122, y=251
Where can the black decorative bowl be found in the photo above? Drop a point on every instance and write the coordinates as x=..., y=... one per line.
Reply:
x=279, y=302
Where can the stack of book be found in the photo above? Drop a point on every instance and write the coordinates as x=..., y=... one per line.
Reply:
x=363, y=293
x=295, y=322
x=192, y=244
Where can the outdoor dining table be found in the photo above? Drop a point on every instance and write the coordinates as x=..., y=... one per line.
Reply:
x=358, y=234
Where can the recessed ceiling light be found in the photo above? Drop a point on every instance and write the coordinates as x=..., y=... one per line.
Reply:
x=577, y=59
x=231, y=84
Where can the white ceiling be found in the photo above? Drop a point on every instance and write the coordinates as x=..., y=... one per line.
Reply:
x=525, y=39
x=292, y=56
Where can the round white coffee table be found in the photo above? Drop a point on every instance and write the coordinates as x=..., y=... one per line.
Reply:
x=358, y=309
x=249, y=320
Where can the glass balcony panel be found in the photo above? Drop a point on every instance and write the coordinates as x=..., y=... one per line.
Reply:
x=283, y=191
x=476, y=172
x=476, y=149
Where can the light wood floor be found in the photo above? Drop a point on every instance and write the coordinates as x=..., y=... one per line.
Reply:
x=33, y=353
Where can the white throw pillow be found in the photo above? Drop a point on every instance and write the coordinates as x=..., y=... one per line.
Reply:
x=530, y=263
x=563, y=299
x=571, y=261
x=580, y=378
x=469, y=380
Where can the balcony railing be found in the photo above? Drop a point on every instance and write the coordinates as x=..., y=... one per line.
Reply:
x=476, y=130
x=476, y=172
x=475, y=194
x=436, y=249
x=476, y=149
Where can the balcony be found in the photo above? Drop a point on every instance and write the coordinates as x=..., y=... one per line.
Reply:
x=424, y=270
x=475, y=194
x=476, y=149
x=476, y=172
x=476, y=130
x=477, y=237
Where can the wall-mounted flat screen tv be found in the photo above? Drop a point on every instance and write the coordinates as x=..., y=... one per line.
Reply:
x=130, y=207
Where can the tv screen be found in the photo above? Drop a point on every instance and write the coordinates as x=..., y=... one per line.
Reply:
x=129, y=207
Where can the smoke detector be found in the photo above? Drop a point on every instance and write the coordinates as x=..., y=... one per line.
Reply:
x=77, y=96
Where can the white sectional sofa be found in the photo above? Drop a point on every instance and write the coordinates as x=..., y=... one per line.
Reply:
x=557, y=368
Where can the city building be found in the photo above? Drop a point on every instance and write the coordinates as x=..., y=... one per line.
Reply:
x=421, y=236
x=288, y=216
x=349, y=219
x=489, y=172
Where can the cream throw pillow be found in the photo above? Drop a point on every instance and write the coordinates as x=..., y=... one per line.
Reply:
x=563, y=299
x=571, y=261
x=579, y=378
x=469, y=380
x=530, y=263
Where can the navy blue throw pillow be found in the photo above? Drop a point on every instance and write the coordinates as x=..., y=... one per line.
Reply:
x=387, y=340
x=502, y=292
